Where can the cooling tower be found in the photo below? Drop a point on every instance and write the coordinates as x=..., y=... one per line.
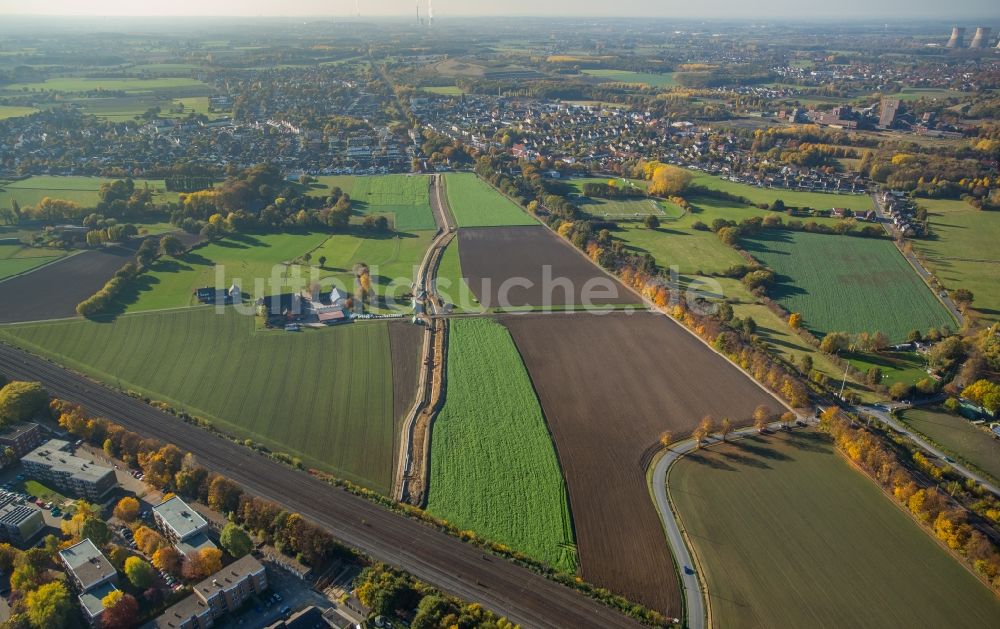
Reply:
x=982, y=38
x=957, y=35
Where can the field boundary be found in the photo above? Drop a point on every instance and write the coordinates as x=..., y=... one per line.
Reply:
x=54, y=260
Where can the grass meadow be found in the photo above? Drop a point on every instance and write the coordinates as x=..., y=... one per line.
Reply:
x=450, y=281
x=634, y=78
x=17, y=259
x=962, y=251
x=793, y=198
x=958, y=436
x=787, y=534
x=127, y=85
x=475, y=203
x=339, y=418
x=11, y=111
x=847, y=284
x=493, y=466
x=635, y=208
x=81, y=190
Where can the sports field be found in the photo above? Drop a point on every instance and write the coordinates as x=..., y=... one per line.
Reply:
x=15, y=259
x=128, y=85
x=634, y=78
x=635, y=207
x=81, y=190
x=475, y=203
x=493, y=465
x=792, y=198
x=847, y=284
x=403, y=198
x=11, y=111
x=957, y=436
x=963, y=251
x=787, y=534
x=339, y=418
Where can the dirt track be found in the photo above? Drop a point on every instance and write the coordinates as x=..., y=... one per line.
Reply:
x=458, y=568
x=491, y=256
x=609, y=386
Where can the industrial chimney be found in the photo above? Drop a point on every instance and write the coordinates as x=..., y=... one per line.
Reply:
x=982, y=37
x=957, y=37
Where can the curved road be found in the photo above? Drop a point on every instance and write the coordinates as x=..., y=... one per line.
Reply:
x=695, y=595
x=460, y=569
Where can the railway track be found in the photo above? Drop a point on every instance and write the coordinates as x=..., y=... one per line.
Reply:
x=460, y=569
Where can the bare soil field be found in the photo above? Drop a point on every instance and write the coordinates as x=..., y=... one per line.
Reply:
x=53, y=291
x=609, y=386
x=517, y=267
x=405, y=344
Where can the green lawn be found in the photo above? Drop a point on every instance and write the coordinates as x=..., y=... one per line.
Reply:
x=128, y=85
x=10, y=111
x=444, y=90
x=847, y=284
x=793, y=198
x=493, y=465
x=81, y=190
x=323, y=395
x=958, y=436
x=963, y=252
x=690, y=250
x=789, y=535
x=634, y=78
x=475, y=203
x=403, y=198
x=16, y=259
x=908, y=367
x=38, y=490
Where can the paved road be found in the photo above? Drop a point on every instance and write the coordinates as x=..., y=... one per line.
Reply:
x=694, y=593
x=900, y=427
x=457, y=568
x=926, y=275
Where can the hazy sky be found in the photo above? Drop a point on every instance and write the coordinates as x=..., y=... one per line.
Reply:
x=767, y=9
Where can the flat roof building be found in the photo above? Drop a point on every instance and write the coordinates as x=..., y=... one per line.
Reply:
x=92, y=575
x=21, y=437
x=182, y=525
x=19, y=521
x=53, y=462
x=223, y=592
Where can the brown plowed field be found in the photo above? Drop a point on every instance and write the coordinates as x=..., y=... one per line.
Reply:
x=53, y=291
x=405, y=344
x=609, y=386
x=494, y=256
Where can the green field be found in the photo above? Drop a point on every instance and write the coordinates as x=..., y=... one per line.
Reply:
x=10, y=111
x=906, y=367
x=128, y=85
x=16, y=259
x=963, y=251
x=451, y=285
x=81, y=190
x=444, y=90
x=475, y=203
x=38, y=490
x=787, y=534
x=493, y=465
x=634, y=78
x=781, y=339
x=847, y=284
x=692, y=251
x=403, y=198
x=958, y=436
x=636, y=207
x=323, y=395
x=793, y=198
